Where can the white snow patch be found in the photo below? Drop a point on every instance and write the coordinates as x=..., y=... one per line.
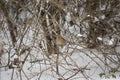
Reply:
x=15, y=56
x=99, y=38
x=68, y=17
x=79, y=35
x=111, y=42
x=102, y=17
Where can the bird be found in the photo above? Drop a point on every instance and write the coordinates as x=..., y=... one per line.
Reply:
x=60, y=41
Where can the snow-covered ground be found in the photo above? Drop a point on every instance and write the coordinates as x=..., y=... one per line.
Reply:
x=45, y=69
x=75, y=63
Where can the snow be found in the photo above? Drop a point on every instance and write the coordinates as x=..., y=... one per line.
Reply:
x=68, y=17
x=111, y=42
x=96, y=19
x=75, y=10
x=79, y=35
x=46, y=68
x=102, y=17
x=78, y=58
x=99, y=38
x=88, y=15
x=69, y=63
x=47, y=1
x=15, y=56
